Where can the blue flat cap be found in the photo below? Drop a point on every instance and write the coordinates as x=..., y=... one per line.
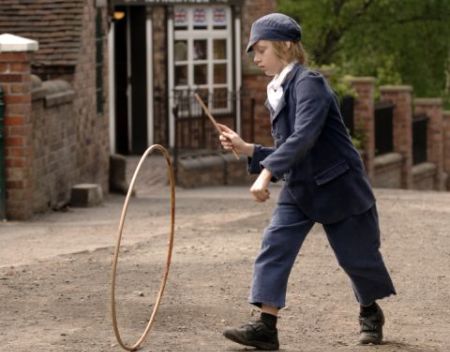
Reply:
x=275, y=26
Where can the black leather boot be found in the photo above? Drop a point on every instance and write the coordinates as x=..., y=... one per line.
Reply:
x=255, y=334
x=371, y=327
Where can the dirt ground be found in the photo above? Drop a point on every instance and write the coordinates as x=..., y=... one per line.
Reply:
x=55, y=275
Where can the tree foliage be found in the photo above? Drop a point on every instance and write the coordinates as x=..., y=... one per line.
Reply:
x=404, y=41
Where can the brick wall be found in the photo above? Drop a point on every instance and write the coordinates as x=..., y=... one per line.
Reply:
x=254, y=81
x=388, y=171
x=254, y=86
x=396, y=170
x=432, y=107
x=92, y=156
x=446, y=129
x=160, y=113
x=400, y=96
x=251, y=11
x=423, y=176
x=16, y=84
x=53, y=141
x=54, y=138
x=365, y=119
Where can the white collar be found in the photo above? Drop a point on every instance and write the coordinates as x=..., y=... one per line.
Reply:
x=274, y=88
x=278, y=79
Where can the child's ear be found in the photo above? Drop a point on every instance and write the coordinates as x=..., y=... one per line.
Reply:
x=288, y=45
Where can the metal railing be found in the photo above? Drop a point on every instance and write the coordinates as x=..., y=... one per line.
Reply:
x=419, y=127
x=193, y=131
x=384, y=132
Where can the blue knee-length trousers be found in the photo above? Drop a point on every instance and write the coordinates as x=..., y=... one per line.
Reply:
x=355, y=241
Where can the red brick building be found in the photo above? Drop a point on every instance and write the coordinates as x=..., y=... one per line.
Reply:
x=115, y=77
x=163, y=51
x=56, y=112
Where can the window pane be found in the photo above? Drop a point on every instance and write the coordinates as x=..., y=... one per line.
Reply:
x=181, y=75
x=220, y=98
x=180, y=50
x=181, y=18
x=220, y=49
x=220, y=73
x=200, y=74
x=200, y=19
x=200, y=49
x=219, y=18
x=203, y=93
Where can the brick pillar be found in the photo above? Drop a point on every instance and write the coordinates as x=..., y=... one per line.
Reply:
x=400, y=96
x=446, y=119
x=15, y=57
x=432, y=107
x=365, y=118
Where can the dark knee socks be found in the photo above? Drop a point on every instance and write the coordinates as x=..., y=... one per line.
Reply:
x=366, y=311
x=269, y=320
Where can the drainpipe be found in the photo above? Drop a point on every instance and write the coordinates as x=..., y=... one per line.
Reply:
x=2, y=160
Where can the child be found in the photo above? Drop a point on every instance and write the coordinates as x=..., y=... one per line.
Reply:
x=324, y=182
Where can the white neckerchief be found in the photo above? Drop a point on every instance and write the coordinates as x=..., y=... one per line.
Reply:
x=275, y=89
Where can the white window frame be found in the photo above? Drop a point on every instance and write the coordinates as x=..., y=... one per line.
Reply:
x=209, y=34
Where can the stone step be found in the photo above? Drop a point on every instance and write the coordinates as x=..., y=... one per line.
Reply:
x=86, y=195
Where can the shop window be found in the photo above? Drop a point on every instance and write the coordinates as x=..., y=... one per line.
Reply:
x=202, y=54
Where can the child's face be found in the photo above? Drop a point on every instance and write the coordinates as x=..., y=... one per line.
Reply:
x=265, y=58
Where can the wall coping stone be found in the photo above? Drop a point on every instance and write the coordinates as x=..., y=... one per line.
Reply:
x=423, y=169
x=54, y=92
x=387, y=159
x=428, y=101
x=14, y=43
x=59, y=98
x=396, y=88
x=252, y=70
x=361, y=79
x=446, y=113
x=37, y=90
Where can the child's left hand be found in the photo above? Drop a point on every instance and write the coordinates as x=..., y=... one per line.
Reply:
x=260, y=188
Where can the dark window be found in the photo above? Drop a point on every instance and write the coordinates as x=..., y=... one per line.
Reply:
x=99, y=37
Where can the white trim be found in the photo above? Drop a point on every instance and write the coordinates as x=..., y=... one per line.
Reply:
x=209, y=34
x=14, y=43
x=129, y=87
x=149, y=35
x=112, y=91
x=237, y=26
x=170, y=65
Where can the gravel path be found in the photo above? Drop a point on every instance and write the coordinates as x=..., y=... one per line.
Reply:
x=55, y=276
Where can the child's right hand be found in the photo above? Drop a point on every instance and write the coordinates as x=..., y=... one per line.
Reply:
x=230, y=140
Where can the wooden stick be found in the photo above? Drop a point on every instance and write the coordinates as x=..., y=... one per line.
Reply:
x=211, y=118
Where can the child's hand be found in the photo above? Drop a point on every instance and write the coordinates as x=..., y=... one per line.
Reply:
x=230, y=140
x=260, y=188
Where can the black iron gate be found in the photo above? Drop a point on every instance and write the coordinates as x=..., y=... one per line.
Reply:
x=419, y=127
x=193, y=131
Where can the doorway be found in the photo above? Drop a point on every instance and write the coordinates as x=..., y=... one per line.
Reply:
x=132, y=115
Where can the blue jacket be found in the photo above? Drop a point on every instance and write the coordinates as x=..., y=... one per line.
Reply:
x=313, y=152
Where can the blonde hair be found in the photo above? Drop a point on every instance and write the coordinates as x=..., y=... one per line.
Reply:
x=290, y=53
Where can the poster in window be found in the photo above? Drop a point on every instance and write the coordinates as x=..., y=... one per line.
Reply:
x=219, y=17
x=181, y=17
x=200, y=20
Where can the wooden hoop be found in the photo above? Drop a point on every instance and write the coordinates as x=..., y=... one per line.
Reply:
x=166, y=155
